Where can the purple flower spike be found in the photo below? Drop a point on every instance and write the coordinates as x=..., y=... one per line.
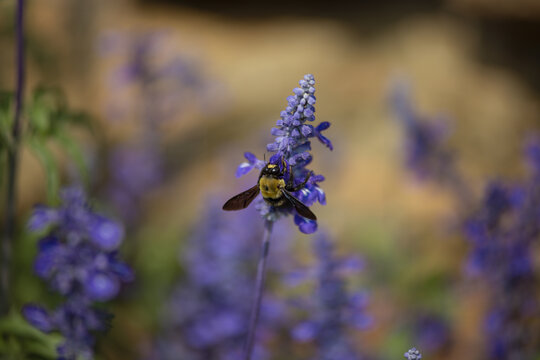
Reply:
x=330, y=311
x=78, y=260
x=38, y=317
x=426, y=153
x=207, y=312
x=292, y=145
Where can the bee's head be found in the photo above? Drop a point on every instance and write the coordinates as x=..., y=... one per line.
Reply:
x=272, y=169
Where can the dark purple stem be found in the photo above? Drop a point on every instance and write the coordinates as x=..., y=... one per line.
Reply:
x=13, y=155
x=259, y=286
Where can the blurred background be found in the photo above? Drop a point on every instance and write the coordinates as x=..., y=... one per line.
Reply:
x=177, y=91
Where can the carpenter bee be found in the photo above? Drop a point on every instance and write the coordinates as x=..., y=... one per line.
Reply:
x=271, y=184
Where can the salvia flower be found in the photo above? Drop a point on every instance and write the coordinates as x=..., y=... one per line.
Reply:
x=413, y=354
x=207, y=314
x=168, y=83
x=292, y=145
x=502, y=234
x=426, y=153
x=332, y=310
x=78, y=258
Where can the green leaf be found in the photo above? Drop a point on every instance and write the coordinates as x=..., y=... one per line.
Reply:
x=40, y=118
x=75, y=153
x=14, y=324
x=49, y=164
x=23, y=338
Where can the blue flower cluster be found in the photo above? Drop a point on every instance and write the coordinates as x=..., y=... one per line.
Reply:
x=78, y=259
x=413, y=354
x=503, y=234
x=332, y=311
x=207, y=314
x=292, y=144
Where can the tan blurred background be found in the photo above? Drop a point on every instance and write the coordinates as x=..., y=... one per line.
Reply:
x=474, y=61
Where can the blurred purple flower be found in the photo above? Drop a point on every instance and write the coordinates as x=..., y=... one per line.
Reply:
x=134, y=170
x=425, y=151
x=502, y=234
x=292, y=144
x=168, y=84
x=207, y=314
x=332, y=310
x=78, y=259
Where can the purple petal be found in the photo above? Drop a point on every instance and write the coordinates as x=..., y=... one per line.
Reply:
x=291, y=99
x=323, y=126
x=321, y=196
x=325, y=141
x=243, y=169
x=50, y=252
x=42, y=217
x=307, y=130
x=360, y=321
x=276, y=158
x=47, y=243
x=306, y=226
x=124, y=272
x=106, y=233
x=305, y=331
x=250, y=157
x=351, y=264
x=298, y=91
x=101, y=286
x=273, y=147
x=38, y=317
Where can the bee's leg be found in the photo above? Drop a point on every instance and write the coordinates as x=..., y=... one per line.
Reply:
x=291, y=187
x=291, y=177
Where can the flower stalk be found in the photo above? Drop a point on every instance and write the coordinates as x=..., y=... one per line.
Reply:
x=259, y=287
x=13, y=156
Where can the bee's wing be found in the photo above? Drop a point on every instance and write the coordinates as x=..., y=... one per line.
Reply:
x=242, y=200
x=302, y=209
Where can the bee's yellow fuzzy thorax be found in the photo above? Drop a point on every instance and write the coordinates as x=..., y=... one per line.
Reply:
x=271, y=187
